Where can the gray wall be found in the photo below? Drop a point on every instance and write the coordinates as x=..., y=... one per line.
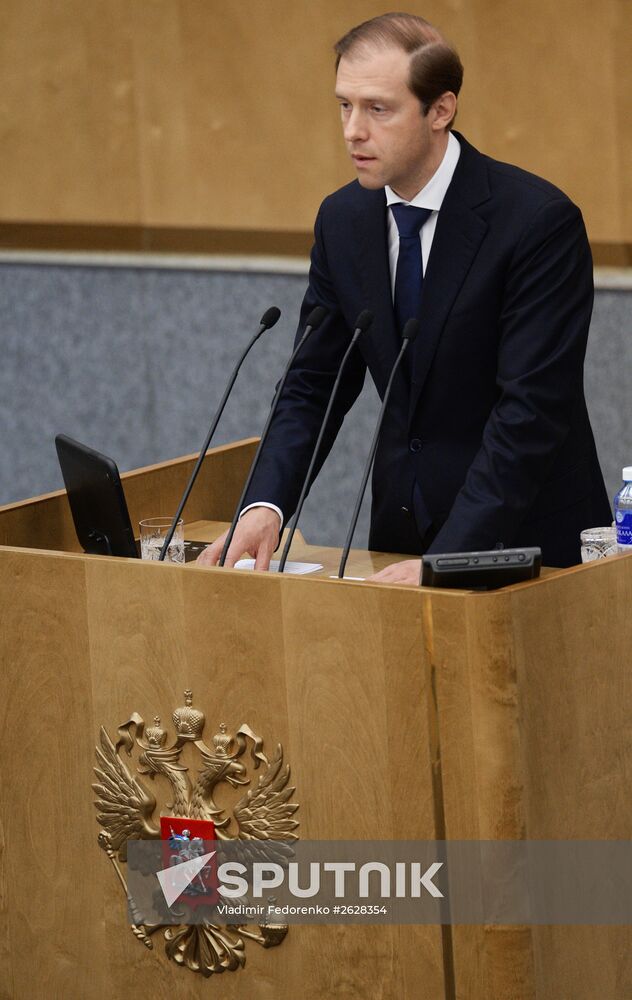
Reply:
x=133, y=360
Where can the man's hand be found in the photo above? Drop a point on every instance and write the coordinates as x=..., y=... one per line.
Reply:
x=257, y=533
x=407, y=571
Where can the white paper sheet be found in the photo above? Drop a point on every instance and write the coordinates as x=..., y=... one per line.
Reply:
x=295, y=568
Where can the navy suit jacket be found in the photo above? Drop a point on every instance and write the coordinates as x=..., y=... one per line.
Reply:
x=487, y=436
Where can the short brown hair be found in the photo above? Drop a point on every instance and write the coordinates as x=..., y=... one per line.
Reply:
x=435, y=66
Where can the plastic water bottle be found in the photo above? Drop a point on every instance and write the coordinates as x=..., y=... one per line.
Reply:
x=623, y=512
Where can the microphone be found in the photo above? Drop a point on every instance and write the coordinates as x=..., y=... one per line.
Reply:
x=314, y=320
x=362, y=323
x=411, y=329
x=267, y=321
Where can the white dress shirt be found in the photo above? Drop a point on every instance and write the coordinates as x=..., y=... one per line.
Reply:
x=431, y=196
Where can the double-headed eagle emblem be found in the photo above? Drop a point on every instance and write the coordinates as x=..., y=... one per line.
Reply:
x=126, y=807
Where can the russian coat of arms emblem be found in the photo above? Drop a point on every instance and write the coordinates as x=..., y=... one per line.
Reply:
x=127, y=811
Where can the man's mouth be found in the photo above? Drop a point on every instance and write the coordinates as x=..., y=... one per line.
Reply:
x=359, y=158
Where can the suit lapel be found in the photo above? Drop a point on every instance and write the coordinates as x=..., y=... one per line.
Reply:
x=457, y=239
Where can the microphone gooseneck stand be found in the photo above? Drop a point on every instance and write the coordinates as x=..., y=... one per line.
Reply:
x=362, y=323
x=314, y=320
x=411, y=329
x=268, y=320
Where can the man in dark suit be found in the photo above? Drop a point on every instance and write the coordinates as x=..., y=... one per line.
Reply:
x=487, y=437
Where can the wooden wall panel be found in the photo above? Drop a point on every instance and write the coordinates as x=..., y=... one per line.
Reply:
x=542, y=93
x=622, y=80
x=196, y=114
x=68, y=116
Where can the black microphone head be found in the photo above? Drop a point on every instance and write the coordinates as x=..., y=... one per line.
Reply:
x=411, y=329
x=316, y=317
x=270, y=317
x=364, y=320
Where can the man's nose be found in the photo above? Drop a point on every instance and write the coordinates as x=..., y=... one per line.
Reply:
x=355, y=126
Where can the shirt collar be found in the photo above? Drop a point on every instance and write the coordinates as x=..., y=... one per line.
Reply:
x=431, y=196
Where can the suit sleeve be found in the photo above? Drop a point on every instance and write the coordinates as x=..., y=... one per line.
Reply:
x=543, y=332
x=294, y=430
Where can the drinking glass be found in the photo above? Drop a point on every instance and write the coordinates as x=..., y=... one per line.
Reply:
x=598, y=543
x=153, y=531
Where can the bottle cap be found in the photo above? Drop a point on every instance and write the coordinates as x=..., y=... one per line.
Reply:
x=627, y=474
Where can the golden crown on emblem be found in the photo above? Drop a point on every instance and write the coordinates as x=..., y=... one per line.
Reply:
x=222, y=741
x=189, y=721
x=156, y=736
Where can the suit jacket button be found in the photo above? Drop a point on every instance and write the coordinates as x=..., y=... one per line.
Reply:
x=415, y=445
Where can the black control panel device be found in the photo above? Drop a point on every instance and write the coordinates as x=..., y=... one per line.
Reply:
x=480, y=570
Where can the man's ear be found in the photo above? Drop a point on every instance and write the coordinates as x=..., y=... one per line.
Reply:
x=442, y=111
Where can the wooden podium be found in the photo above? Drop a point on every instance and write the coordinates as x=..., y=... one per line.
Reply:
x=407, y=714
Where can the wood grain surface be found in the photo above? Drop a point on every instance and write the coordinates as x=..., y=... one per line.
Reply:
x=176, y=114
x=404, y=713
x=337, y=682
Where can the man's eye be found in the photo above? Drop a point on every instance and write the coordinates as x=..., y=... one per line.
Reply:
x=378, y=109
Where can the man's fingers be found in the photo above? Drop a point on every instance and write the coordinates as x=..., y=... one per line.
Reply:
x=211, y=554
x=382, y=577
x=387, y=573
x=256, y=533
x=264, y=554
x=406, y=572
x=233, y=555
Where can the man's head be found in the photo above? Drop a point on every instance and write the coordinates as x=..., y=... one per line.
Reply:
x=397, y=82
